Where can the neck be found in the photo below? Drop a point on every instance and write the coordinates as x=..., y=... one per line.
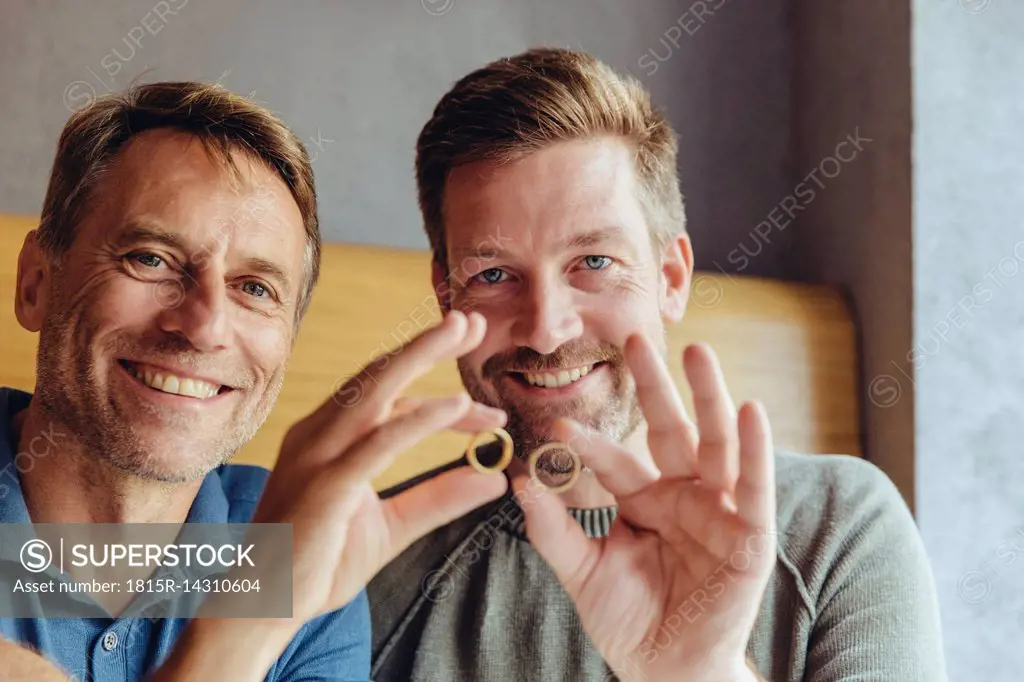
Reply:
x=63, y=482
x=588, y=493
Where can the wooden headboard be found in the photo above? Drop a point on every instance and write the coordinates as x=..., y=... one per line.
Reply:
x=791, y=346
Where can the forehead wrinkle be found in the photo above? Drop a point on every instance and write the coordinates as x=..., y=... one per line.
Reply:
x=546, y=211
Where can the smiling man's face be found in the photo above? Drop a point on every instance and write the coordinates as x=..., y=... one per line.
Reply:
x=165, y=333
x=554, y=250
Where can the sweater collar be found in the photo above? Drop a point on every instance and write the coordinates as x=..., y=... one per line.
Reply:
x=595, y=521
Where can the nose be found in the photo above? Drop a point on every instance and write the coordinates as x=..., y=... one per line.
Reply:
x=547, y=317
x=195, y=307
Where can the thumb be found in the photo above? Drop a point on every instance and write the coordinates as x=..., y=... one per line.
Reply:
x=556, y=535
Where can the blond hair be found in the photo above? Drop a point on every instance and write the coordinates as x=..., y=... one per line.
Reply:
x=518, y=105
x=221, y=120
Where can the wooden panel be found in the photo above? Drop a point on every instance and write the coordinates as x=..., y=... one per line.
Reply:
x=790, y=345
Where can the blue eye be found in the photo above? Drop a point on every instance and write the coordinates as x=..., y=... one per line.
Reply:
x=597, y=262
x=492, y=275
x=255, y=289
x=148, y=259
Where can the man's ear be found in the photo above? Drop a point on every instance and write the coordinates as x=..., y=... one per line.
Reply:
x=32, y=288
x=442, y=289
x=676, y=275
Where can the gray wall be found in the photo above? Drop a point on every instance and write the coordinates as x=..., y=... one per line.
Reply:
x=366, y=75
x=969, y=323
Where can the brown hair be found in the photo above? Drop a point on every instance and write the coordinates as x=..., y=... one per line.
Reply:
x=518, y=105
x=223, y=121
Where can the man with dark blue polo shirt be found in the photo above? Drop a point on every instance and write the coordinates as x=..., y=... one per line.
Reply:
x=176, y=254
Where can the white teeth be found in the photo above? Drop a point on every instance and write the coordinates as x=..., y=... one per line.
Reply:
x=170, y=383
x=563, y=378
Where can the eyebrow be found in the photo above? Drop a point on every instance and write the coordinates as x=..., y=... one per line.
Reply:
x=144, y=232
x=270, y=270
x=580, y=241
x=595, y=238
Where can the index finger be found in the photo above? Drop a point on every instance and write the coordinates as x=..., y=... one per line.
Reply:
x=373, y=390
x=456, y=335
x=384, y=379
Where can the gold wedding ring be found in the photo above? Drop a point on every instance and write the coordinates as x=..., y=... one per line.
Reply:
x=577, y=466
x=506, y=453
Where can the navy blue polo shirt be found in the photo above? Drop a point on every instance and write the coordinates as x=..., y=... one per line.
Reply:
x=331, y=648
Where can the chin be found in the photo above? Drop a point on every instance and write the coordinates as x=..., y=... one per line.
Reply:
x=173, y=473
x=165, y=464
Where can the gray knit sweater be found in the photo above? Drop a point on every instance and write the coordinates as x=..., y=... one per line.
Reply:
x=851, y=598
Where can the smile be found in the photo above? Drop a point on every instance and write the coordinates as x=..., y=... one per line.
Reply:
x=555, y=379
x=160, y=379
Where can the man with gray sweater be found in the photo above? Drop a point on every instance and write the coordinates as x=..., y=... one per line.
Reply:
x=687, y=549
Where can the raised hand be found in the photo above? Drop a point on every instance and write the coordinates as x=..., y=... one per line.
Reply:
x=673, y=591
x=322, y=483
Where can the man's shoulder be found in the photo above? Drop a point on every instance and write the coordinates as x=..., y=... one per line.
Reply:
x=850, y=553
x=837, y=509
x=243, y=486
x=820, y=489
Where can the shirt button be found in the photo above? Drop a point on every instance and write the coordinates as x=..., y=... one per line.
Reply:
x=109, y=641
